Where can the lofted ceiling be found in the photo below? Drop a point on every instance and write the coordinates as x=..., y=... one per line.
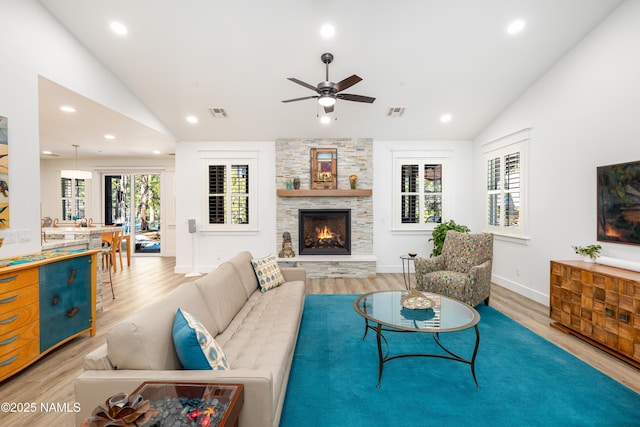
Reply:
x=432, y=57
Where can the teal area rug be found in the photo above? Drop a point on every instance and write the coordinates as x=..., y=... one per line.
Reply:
x=524, y=379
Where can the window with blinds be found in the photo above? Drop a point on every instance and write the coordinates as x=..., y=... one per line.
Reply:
x=229, y=194
x=504, y=189
x=72, y=199
x=410, y=194
x=493, y=191
x=217, y=194
x=512, y=190
x=420, y=194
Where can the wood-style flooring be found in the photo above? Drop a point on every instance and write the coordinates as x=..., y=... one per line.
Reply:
x=50, y=380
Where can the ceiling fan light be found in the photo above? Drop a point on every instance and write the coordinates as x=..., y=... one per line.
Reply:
x=326, y=101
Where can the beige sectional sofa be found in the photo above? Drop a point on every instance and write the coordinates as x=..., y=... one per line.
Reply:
x=256, y=330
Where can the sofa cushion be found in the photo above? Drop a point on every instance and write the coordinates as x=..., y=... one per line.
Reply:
x=268, y=272
x=144, y=339
x=242, y=263
x=195, y=346
x=223, y=293
x=263, y=334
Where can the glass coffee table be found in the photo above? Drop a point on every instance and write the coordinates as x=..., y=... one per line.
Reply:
x=394, y=311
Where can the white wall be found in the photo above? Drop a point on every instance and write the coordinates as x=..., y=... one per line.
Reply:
x=583, y=113
x=210, y=248
x=19, y=103
x=213, y=248
x=35, y=44
x=389, y=244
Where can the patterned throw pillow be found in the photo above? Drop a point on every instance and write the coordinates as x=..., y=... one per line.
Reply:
x=195, y=346
x=268, y=272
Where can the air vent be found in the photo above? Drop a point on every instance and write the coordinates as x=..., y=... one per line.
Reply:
x=395, y=111
x=218, y=113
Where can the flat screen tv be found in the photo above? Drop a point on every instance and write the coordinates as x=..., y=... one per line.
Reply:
x=619, y=203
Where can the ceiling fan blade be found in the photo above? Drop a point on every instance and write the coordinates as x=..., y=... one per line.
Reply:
x=300, y=99
x=347, y=83
x=357, y=98
x=300, y=82
x=328, y=109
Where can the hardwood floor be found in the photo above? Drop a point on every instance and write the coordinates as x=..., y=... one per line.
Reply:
x=50, y=380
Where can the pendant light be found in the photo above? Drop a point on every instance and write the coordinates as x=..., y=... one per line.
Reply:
x=75, y=173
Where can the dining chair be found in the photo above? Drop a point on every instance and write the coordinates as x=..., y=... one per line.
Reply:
x=112, y=239
x=108, y=239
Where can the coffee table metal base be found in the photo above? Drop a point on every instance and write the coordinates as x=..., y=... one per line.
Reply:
x=383, y=358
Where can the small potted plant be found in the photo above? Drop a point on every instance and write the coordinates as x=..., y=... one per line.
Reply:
x=591, y=251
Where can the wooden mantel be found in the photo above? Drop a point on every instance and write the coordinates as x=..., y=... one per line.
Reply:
x=325, y=193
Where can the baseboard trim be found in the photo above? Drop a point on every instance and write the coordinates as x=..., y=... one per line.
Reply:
x=521, y=289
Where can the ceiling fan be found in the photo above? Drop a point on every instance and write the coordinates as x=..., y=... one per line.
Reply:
x=329, y=92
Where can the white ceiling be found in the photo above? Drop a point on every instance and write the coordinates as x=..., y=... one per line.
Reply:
x=433, y=57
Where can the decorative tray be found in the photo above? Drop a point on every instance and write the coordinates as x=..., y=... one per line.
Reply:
x=415, y=300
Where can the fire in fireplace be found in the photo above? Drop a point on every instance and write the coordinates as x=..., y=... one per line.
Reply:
x=324, y=231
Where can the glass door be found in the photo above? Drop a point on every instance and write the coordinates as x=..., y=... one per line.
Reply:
x=117, y=200
x=133, y=202
x=146, y=199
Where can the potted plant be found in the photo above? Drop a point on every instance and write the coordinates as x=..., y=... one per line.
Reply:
x=440, y=232
x=591, y=251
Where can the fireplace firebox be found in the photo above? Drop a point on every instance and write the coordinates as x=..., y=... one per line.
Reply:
x=324, y=231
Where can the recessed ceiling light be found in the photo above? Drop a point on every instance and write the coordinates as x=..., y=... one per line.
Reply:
x=47, y=152
x=325, y=120
x=68, y=109
x=156, y=152
x=446, y=118
x=118, y=28
x=109, y=136
x=516, y=26
x=192, y=119
x=327, y=31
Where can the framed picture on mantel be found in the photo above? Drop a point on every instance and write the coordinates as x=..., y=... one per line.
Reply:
x=324, y=168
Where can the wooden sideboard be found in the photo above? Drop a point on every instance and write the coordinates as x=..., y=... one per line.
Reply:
x=599, y=304
x=45, y=301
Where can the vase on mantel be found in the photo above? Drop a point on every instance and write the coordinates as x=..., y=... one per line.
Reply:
x=353, y=179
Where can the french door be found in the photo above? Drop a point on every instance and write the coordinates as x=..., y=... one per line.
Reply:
x=133, y=202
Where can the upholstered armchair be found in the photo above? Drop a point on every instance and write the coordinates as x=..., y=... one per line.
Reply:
x=462, y=271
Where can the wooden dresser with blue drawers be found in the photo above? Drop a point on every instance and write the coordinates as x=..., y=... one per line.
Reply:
x=46, y=300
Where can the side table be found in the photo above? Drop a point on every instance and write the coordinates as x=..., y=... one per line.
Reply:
x=406, y=270
x=225, y=399
x=185, y=404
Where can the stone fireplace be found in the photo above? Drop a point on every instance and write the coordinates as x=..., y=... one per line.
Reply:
x=324, y=231
x=354, y=156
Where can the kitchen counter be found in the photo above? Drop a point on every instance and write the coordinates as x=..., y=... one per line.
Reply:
x=73, y=237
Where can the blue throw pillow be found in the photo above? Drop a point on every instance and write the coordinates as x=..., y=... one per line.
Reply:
x=194, y=345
